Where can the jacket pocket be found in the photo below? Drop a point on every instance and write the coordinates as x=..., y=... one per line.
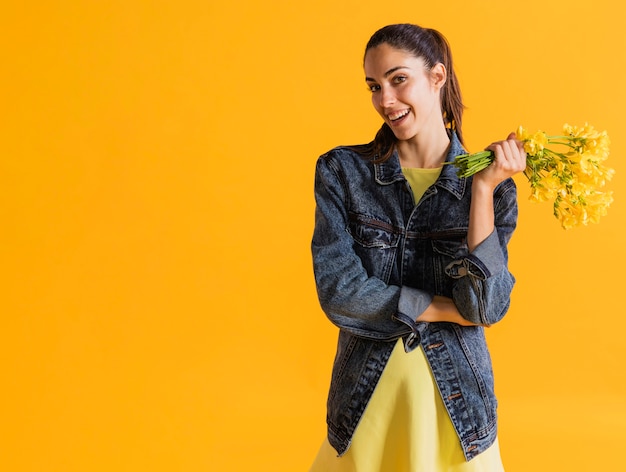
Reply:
x=453, y=248
x=376, y=244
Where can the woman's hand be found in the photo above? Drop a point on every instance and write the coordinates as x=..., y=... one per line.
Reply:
x=510, y=159
x=443, y=309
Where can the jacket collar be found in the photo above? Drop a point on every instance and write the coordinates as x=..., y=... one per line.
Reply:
x=390, y=171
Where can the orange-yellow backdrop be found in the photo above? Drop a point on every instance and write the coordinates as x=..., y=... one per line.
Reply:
x=158, y=308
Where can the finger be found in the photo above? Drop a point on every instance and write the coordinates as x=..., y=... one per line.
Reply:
x=520, y=145
x=508, y=151
x=509, y=156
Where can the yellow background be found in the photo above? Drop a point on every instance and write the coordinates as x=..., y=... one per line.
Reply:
x=158, y=307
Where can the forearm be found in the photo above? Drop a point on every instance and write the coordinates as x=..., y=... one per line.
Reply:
x=365, y=308
x=483, y=283
x=481, y=218
x=510, y=159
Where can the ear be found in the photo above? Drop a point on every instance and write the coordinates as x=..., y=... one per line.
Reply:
x=438, y=75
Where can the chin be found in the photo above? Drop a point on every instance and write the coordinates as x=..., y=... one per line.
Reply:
x=404, y=135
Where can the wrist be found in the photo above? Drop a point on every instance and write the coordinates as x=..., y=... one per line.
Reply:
x=482, y=187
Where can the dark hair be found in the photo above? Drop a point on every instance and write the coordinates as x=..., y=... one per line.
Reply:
x=431, y=46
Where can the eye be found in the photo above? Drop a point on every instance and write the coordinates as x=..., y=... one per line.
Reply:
x=373, y=87
x=398, y=79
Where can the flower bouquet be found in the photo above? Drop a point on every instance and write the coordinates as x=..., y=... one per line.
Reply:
x=567, y=169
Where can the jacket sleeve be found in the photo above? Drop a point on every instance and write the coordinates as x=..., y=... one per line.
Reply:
x=482, y=291
x=355, y=302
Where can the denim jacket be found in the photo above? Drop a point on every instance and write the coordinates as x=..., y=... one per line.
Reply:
x=379, y=257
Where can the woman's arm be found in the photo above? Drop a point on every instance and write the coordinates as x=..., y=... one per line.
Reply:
x=353, y=300
x=482, y=290
x=510, y=159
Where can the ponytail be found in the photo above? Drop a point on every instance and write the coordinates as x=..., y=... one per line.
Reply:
x=451, y=100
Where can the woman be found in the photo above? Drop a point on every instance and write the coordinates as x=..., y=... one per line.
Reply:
x=410, y=263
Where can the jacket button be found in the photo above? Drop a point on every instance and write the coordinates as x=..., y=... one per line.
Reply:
x=413, y=339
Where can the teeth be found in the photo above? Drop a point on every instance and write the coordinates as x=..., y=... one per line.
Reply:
x=397, y=115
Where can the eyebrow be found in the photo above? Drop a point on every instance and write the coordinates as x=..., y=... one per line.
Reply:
x=388, y=73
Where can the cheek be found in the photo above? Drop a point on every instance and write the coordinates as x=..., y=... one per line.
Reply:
x=412, y=94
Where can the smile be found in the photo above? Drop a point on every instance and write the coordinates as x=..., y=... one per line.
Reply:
x=397, y=115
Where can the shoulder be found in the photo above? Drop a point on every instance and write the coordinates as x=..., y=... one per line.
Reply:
x=506, y=189
x=345, y=158
x=346, y=168
x=356, y=152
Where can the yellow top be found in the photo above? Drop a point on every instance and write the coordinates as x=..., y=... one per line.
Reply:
x=420, y=179
x=406, y=427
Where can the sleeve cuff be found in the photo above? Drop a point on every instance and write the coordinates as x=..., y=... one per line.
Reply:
x=484, y=261
x=413, y=302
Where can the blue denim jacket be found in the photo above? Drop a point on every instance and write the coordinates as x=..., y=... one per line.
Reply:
x=379, y=257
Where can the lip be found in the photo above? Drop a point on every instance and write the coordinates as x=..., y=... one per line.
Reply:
x=398, y=121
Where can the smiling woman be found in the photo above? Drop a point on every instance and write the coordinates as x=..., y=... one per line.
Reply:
x=420, y=273
x=159, y=311
x=427, y=54
x=406, y=94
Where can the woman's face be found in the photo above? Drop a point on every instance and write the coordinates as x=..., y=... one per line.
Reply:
x=404, y=92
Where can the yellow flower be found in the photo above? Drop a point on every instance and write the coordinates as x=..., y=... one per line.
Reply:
x=569, y=215
x=598, y=204
x=533, y=144
x=545, y=188
x=578, y=188
x=598, y=146
x=567, y=169
x=587, y=138
x=587, y=162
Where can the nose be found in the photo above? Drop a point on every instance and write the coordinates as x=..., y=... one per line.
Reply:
x=387, y=97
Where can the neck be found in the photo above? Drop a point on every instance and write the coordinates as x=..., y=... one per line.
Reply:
x=426, y=152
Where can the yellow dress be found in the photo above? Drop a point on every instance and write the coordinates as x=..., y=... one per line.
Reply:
x=406, y=427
